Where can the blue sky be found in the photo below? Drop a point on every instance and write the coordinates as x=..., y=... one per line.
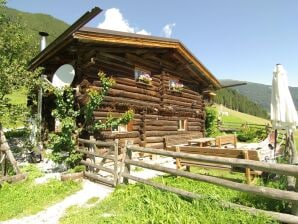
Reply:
x=234, y=39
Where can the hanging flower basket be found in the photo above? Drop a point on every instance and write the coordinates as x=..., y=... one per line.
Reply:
x=145, y=78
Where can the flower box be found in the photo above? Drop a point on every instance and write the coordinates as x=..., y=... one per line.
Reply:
x=145, y=78
x=176, y=87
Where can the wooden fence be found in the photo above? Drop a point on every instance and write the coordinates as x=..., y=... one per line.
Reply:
x=282, y=169
x=100, y=156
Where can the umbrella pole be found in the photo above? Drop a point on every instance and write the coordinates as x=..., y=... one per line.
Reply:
x=292, y=148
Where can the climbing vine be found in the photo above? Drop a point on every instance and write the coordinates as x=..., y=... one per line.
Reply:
x=63, y=144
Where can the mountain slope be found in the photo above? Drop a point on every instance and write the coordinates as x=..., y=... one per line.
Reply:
x=236, y=101
x=37, y=22
x=261, y=94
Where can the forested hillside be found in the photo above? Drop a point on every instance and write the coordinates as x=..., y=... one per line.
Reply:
x=34, y=23
x=233, y=100
x=261, y=94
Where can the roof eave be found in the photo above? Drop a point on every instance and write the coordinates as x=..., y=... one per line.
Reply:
x=63, y=39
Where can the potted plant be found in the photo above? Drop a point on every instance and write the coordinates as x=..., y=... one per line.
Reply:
x=145, y=78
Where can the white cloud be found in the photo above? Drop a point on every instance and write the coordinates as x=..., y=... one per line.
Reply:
x=167, y=29
x=144, y=32
x=114, y=20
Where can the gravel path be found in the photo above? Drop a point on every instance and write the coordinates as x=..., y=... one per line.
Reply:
x=52, y=214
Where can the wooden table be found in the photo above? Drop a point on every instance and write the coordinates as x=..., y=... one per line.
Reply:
x=201, y=141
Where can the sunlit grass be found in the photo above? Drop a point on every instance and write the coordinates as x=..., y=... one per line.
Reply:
x=26, y=198
x=18, y=97
x=238, y=117
x=139, y=203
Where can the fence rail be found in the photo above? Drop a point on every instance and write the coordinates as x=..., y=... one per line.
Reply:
x=89, y=147
x=282, y=169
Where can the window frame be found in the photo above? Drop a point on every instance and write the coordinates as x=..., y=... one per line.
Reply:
x=172, y=81
x=141, y=71
x=118, y=126
x=182, y=125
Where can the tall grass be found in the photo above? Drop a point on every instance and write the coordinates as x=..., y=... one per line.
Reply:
x=139, y=203
x=26, y=198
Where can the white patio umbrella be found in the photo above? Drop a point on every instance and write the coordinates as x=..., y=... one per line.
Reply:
x=283, y=111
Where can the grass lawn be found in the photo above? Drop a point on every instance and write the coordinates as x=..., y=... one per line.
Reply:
x=238, y=117
x=17, y=98
x=27, y=198
x=138, y=203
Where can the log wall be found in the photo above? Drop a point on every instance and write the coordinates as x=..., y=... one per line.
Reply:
x=157, y=108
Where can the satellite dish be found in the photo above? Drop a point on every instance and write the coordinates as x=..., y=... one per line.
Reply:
x=63, y=76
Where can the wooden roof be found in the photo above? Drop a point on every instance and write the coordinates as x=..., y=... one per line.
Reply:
x=101, y=37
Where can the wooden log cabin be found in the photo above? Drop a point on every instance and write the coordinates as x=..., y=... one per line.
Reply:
x=160, y=109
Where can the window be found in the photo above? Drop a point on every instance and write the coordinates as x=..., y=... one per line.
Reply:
x=143, y=75
x=182, y=124
x=119, y=128
x=172, y=83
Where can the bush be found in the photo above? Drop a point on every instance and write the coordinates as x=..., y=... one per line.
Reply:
x=211, y=121
x=250, y=134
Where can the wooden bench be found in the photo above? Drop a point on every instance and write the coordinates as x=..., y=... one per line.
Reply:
x=218, y=152
x=181, y=139
x=225, y=140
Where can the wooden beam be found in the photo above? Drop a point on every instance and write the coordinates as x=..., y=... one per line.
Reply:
x=100, y=59
x=282, y=169
x=13, y=179
x=98, y=178
x=142, y=61
x=97, y=166
x=97, y=143
x=163, y=62
x=187, y=66
x=96, y=154
x=117, y=58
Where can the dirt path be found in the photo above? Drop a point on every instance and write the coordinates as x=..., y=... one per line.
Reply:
x=52, y=214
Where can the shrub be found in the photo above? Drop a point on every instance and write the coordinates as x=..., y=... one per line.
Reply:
x=211, y=121
x=250, y=134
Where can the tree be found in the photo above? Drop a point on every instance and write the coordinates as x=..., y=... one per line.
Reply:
x=15, y=53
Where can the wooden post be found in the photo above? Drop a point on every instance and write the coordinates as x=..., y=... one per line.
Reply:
x=2, y=162
x=178, y=161
x=116, y=144
x=294, y=209
x=5, y=147
x=122, y=164
x=92, y=148
x=247, y=170
x=128, y=155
